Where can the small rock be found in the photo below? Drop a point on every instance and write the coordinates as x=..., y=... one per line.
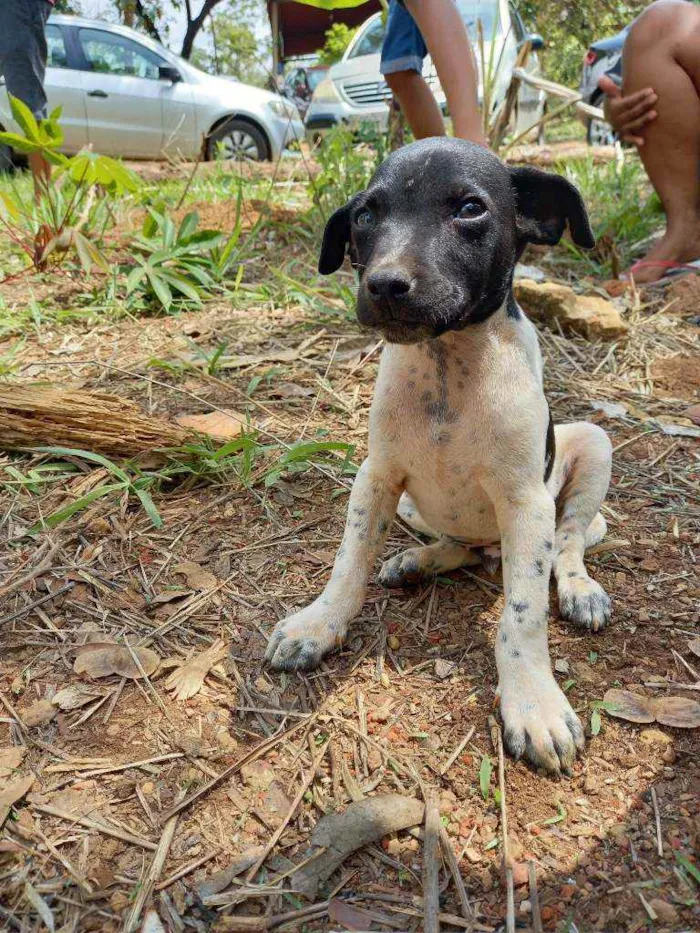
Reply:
x=525, y=907
x=655, y=737
x=693, y=413
x=472, y=855
x=589, y=315
x=444, y=669
x=99, y=526
x=258, y=774
x=393, y=642
x=547, y=914
x=113, y=730
x=374, y=759
x=520, y=874
x=147, y=788
x=561, y=666
x=666, y=912
x=590, y=785
x=118, y=902
x=39, y=713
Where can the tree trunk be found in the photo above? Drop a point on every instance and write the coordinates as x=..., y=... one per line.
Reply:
x=194, y=24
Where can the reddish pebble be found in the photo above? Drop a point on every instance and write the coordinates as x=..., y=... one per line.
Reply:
x=535, y=830
x=567, y=892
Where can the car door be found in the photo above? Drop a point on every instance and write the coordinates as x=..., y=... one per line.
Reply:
x=64, y=88
x=122, y=86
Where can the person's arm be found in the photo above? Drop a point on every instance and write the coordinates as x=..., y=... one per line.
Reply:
x=448, y=43
x=628, y=114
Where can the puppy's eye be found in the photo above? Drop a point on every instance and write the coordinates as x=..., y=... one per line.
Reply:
x=364, y=218
x=469, y=209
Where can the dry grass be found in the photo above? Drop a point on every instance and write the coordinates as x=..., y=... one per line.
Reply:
x=139, y=798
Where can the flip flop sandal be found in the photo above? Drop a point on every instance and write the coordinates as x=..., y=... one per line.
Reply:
x=674, y=270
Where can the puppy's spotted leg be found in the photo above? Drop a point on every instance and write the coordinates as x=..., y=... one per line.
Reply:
x=584, y=460
x=299, y=642
x=418, y=564
x=538, y=720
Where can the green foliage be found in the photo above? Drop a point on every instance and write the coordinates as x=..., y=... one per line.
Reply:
x=338, y=38
x=67, y=212
x=235, y=48
x=485, y=776
x=348, y=160
x=624, y=210
x=568, y=30
x=179, y=265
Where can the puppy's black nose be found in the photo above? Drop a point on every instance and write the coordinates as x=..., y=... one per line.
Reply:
x=388, y=284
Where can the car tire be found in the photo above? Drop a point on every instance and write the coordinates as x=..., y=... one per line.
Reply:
x=599, y=132
x=239, y=140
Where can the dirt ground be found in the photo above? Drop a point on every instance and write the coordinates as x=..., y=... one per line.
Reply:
x=135, y=799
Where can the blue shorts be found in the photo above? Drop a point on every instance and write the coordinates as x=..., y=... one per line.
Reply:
x=404, y=47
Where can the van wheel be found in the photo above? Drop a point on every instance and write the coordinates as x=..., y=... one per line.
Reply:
x=239, y=140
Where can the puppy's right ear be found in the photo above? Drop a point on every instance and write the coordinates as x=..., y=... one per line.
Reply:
x=336, y=238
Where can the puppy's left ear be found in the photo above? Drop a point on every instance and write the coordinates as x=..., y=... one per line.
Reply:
x=336, y=238
x=545, y=204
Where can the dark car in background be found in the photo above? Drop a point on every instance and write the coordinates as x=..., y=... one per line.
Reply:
x=300, y=84
x=602, y=56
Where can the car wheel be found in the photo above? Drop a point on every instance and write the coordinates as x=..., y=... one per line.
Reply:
x=239, y=140
x=599, y=132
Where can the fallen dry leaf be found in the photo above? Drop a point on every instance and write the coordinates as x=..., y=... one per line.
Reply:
x=694, y=646
x=221, y=425
x=364, y=821
x=679, y=712
x=188, y=679
x=13, y=792
x=10, y=759
x=350, y=918
x=222, y=879
x=40, y=906
x=629, y=706
x=74, y=696
x=169, y=596
x=693, y=413
x=197, y=577
x=152, y=923
x=38, y=713
x=103, y=660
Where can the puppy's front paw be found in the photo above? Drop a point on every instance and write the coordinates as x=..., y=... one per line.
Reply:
x=299, y=642
x=584, y=602
x=538, y=722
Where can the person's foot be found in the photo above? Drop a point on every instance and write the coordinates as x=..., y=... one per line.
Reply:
x=672, y=249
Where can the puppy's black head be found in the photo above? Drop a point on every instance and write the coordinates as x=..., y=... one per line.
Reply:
x=437, y=233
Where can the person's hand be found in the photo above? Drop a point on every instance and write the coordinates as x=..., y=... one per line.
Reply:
x=630, y=114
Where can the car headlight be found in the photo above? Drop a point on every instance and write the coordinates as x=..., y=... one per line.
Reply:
x=283, y=108
x=326, y=93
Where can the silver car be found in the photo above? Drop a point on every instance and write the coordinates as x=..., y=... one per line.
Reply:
x=126, y=95
x=355, y=92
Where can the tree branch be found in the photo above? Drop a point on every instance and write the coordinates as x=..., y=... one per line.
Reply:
x=147, y=22
x=194, y=25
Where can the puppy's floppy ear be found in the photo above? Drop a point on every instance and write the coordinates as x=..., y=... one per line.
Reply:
x=545, y=203
x=336, y=237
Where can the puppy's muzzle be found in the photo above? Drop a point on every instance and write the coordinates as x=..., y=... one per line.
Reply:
x=387, y=298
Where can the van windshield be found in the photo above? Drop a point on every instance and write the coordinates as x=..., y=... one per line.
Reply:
x=371, y=38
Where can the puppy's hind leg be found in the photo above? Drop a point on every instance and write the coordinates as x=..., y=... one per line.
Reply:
x=408, y=511
x=580, y=480
x=419, y=564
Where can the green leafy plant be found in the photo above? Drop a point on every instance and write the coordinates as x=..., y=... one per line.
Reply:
x=179, y=264
x=348, y=159
x=485, y=772
x=338, y=38
x=596, y=721
x=70, y=211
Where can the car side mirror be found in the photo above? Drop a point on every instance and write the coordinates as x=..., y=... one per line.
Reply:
x=535, y=39
x=169, y=73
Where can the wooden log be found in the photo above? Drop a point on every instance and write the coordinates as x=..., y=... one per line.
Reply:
x=47, y=415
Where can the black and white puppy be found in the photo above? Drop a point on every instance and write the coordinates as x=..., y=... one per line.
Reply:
x=460, y=437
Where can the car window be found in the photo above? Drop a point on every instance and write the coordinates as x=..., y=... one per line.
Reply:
x=486, y=11
x=57, y=56
x=371, y=42
x=315, y=77
x=108, y=53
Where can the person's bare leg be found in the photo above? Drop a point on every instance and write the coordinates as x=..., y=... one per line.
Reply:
x=41, y=170
x=447, y=39
x=663, y=51
x=417, y=103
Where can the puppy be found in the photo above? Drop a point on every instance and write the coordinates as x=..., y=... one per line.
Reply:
x=461, y=440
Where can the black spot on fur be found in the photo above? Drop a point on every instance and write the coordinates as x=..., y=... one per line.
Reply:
x=512, y=309
x=550, y=450
x=539, y=567
x=515, y=653
x=571, y=574
x=548, y=545
x=519, y=607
